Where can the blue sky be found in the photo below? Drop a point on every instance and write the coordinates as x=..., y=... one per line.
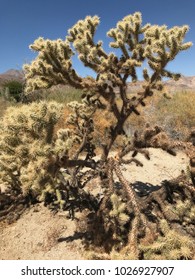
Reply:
x=22, y=21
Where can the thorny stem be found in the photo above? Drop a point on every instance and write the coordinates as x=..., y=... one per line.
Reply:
x=128, y=189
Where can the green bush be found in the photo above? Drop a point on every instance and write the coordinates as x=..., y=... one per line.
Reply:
x=12, y=90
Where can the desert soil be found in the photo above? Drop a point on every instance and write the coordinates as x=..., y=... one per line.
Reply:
x=41, y=234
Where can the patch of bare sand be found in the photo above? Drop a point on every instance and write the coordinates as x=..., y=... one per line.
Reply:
x=161, y=166
x=35, y=235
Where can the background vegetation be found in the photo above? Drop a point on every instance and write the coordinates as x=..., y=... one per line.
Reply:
x=175, y=115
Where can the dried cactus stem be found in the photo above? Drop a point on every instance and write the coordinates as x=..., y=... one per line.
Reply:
x=110, y=174
x=128, y=189
x=169, y=215
x=137, y=220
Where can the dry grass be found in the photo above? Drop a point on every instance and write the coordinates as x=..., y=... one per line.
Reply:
x=60, y=94
x=175, y=115
x=4, y=104
x=178, y=114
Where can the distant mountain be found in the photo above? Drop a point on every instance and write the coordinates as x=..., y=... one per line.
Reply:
x=11, y=74
x=183, y=84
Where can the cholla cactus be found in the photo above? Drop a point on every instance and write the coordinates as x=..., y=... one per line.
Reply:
x=139, y=44
x=170, y=246
x=36, y=161
x=118, y=215
x=156, y=44
x=31, y=157
x=52, y=61
x=26, y=145
x=186, y=211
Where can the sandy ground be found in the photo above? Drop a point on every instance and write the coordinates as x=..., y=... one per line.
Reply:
x=35, y=236
x=39, y=234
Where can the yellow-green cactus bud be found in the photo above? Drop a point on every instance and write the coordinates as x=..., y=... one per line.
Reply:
x=59, y=200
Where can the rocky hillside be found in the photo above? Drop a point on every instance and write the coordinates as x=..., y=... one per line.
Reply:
x=183, y=84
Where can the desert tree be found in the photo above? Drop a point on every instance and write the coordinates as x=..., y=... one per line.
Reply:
x=152, y=46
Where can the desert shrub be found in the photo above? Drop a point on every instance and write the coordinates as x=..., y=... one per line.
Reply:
x=12, y=90
x=63, y=94
x=26, y=146
x=4, y=104
x=175, y=115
